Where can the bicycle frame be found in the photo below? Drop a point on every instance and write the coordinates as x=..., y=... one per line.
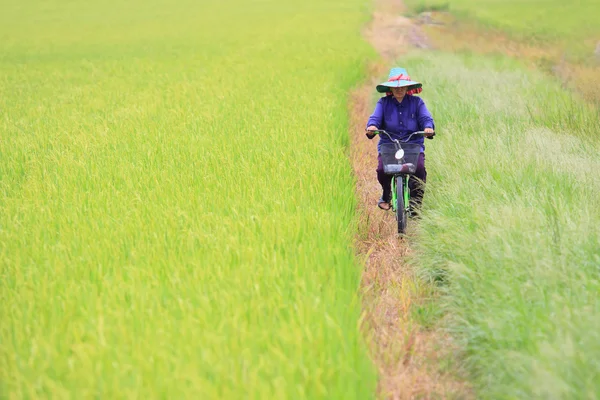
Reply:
x=405, y=191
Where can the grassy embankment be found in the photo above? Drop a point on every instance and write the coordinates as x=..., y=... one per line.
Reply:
x=512, y=225
x=559, y=37
x=176, y=205
x=514, y=197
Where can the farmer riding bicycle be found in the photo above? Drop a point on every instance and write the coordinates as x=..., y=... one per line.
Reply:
x=401, y=113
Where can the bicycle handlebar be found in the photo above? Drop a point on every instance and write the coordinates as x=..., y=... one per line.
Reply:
x=417, y=133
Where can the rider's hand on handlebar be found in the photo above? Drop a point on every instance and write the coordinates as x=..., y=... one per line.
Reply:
x=429, y=133
x=369, y=133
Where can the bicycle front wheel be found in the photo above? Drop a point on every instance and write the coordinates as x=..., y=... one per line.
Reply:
x=401, y=214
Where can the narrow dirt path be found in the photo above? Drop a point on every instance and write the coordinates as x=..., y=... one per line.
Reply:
x=409, y=357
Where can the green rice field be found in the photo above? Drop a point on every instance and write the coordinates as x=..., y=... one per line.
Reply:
x=176, y=204
x=178, y=211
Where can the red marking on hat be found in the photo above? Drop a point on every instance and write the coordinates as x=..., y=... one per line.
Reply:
x=403, y=77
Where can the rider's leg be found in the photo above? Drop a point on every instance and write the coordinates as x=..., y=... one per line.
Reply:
x=416, y=186
x=385, y=181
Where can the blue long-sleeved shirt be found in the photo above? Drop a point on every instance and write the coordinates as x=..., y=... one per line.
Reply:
x=400, y=119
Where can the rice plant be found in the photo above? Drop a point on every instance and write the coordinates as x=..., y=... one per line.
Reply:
x=176, y=205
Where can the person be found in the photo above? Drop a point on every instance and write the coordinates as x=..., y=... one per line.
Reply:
x=400, y=113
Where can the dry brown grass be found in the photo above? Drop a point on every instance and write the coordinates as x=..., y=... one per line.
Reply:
x=390, y=33
x=409, y=357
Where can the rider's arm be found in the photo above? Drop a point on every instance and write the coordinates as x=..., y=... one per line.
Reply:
x=424, y=117
x=376, y=118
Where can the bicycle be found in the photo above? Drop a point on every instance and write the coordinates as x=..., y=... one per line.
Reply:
x=399, y=159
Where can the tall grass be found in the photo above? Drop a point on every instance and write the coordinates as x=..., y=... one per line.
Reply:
x=176, y=206
x=512, y=225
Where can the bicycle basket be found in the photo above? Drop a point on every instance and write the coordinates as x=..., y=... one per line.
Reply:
x=388, y=156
